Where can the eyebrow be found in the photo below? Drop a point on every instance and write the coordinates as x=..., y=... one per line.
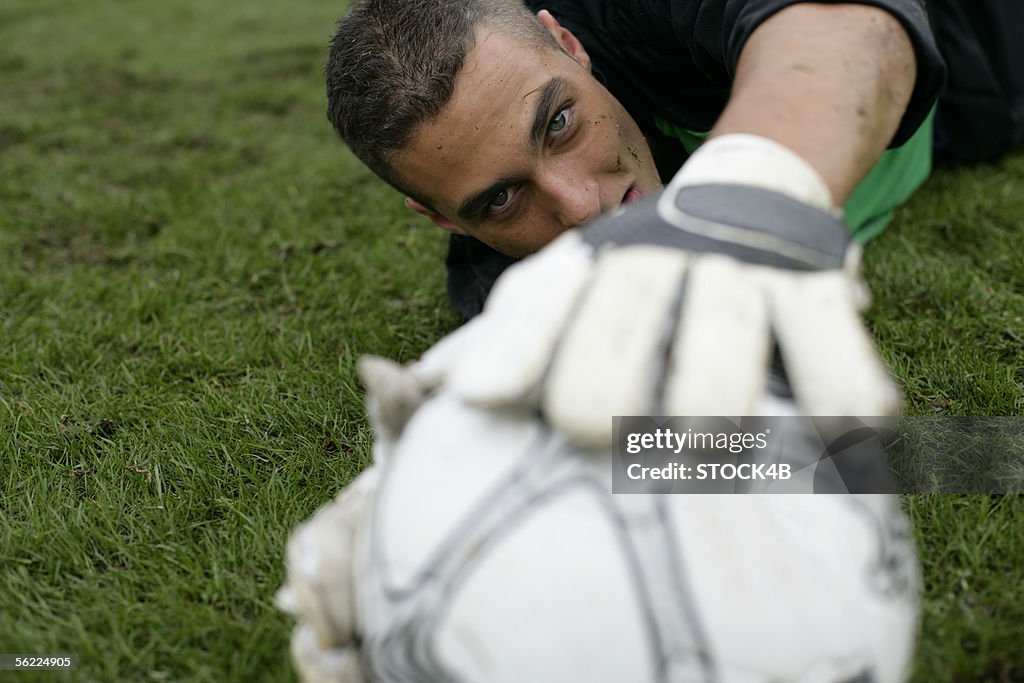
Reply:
x=550, y=94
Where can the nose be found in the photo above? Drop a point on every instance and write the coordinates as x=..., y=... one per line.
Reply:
x=574, y=200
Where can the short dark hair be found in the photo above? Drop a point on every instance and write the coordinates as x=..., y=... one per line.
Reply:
x=391, y=66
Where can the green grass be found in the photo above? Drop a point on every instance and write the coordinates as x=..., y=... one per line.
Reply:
x=190, y=264
x=948, y=284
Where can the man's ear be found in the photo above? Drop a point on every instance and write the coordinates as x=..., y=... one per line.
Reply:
x=435, y=218
x=569, y=42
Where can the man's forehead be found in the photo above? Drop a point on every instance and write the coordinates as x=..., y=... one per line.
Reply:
x=491, y=115
x=501, y=63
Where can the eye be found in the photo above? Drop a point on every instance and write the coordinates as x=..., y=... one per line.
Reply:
x=560, y=121
x=500, y=201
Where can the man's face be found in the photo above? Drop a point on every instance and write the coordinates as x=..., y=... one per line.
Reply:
x=529, y=146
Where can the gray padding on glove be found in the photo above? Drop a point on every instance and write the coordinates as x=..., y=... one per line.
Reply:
x=748, y=223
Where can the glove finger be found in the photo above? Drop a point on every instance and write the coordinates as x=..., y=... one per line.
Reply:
x=319, y=591
x=830, y=359
x=722, y=344
x=610, y=360
x=521, y=324
x=314, y=664
x=393, y=393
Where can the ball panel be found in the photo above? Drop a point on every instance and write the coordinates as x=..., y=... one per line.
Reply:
x=449, y=462
x=556, y=595
x=783, y=585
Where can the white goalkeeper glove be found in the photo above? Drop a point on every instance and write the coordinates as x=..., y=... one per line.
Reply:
x=320, y=588
x=671, y=306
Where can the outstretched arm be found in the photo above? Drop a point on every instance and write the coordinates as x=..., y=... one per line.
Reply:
x=830, y=82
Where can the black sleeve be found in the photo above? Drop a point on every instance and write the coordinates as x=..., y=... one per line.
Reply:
x=684, y=52
x=981, y=113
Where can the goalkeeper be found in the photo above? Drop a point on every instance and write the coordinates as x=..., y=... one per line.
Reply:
x=455, y=104
x=508, y=128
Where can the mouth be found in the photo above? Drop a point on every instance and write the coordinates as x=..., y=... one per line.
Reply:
x=632, y=195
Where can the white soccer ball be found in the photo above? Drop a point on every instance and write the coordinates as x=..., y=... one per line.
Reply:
x=493, y=551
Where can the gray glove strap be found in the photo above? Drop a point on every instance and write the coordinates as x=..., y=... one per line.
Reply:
x=750, y=224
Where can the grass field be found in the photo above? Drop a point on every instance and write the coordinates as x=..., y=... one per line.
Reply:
x=190, y=264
